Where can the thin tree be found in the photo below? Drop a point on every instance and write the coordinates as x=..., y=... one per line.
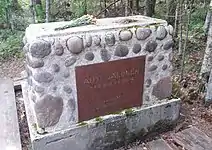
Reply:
x=181, y=28
x=126, y=7
x=207, y=61
x=149, y=7
x=33, y=12
x=47, y=10
x=186, y=38
x=170, y=11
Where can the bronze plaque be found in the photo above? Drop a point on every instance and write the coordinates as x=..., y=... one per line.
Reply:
x=109, y=87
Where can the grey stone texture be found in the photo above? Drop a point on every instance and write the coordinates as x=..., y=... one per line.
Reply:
x=75, y=45
x=151, y=46
x=89, y=56
x=48, y=110
x=136, y=48
x=168, y=44
x=35, y=63
x=161, y=32
x=105, y=55
x=40, y=49
x=58, y=49
x=163, y=88
x=43, y=77
x=70, y=61
x=125, y=35
x=109, y=40
x=143, y=33
x=121, y=51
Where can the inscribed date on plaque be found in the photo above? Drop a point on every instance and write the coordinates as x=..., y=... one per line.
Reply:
x=109, y=87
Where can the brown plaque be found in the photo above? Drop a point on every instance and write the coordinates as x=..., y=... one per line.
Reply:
x=108, y=87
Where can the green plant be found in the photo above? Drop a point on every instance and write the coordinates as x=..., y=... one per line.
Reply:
x=99, y=119
x=82, y=124
x=129, y=112
x=10, y=44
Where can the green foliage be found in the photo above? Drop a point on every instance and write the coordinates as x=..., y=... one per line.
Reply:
x=197, y=20
x=10, y=44
x=40, y=13
x=99, y=119
x=82, y=124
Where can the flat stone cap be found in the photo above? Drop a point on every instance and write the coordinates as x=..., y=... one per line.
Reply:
x=47, y=29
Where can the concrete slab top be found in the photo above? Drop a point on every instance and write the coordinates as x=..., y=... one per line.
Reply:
x=48, y=29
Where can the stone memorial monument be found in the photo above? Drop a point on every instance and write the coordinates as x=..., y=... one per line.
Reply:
x=97, y=86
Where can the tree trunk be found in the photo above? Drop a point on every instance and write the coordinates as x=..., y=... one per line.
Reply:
x=105, y=6
x=176, y=19
x=149, y=7
x=47, y=10
x=126, y=7
x=85, y=7
x=207, y=61
x=181, y=28
x=170, y=11
x=137, y=5
x=33, y=12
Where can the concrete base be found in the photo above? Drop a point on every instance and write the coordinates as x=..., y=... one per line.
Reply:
x=106, y=132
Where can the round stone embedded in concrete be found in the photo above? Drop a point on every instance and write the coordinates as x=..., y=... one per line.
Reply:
x=88, y=41
x=160, y=57
x=110, y=39
x=161, y=33
x=70, y=61
x=148, y=82
x=66, y=74
x=105, y=55
x=89, y=56
x=151, y=46
x=59, y=50
x=40, y=49
x=75, y=45
x=97, y=40
x=125, y=35
x=136, y=48
x=168, y=44
x=164, y=67
x=55, y=68
x=39, y=89
x=163, y=88
x=35, y=63
x=171, y=29
x=44, y=77
x=170, y=56
x=71, y=104
x=48, y=110
x=150, y=58
x=121, y=51
x=143, y=33
x=153, y=68
x=67, y=89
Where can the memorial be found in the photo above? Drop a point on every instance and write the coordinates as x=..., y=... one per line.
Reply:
x=98, y=86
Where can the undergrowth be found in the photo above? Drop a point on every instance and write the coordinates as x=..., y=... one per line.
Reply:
x=10, y=44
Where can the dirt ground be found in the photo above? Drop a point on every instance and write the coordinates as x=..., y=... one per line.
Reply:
x=11, y=68
x=189, y=89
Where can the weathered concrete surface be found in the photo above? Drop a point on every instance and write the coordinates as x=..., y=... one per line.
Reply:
x=106, y=132
x=9, y=134
x=52, y=57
